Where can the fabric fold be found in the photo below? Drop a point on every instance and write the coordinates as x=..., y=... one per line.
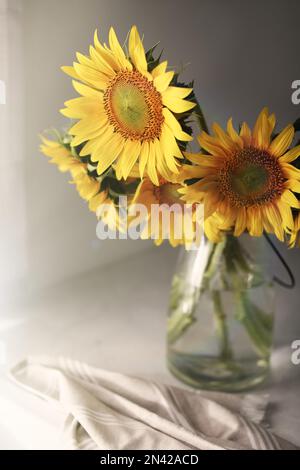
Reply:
x=112, y=411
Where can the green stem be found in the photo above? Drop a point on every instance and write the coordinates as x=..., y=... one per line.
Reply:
x=255, y=321
x=179, y=320
x=214, y=259
x=238, y=265
x=177, y=324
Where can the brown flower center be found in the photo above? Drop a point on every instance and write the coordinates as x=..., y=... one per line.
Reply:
x=251, y=177
x=134, y=106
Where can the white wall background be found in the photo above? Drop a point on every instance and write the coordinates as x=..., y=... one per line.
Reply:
x=243, y=55
x=49, y=233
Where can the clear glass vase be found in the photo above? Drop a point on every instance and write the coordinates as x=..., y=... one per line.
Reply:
x=220, y=320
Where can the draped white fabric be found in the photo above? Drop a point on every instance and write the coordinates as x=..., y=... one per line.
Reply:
x=107, y=410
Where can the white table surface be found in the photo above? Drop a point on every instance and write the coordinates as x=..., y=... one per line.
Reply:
x=113, y=318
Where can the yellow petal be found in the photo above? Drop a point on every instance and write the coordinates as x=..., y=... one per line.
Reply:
x=293, y=184
x=195, y=157
x=258, y=124
x=161, y=162
x=233, y=134
x=86, y=126
x=289, y=171
x=102, y=139
x=68, y=113
x=211, y=144
x=291, y=155
x=97, y=200
x=162, y=82
x=118, y=166
x=69, y=70
x=190, y=172
x=85, y=90
x=286, y=214
x=134, y=40
x=282, y=142
x=83, y=60
x=211, y=228
x=177, y=105
x=169, y=149
x=275, y=220
x=225, y=141
x=86, y=186
x=159, y=69
x=105, y=61
x=211, y=203
x=151, y=165
x=262, y=135
x=169, y=144
x=50, y=143
x=241, y=222
x=272, y=122
x=84, y=106
x=130, y=155
x=266, y=223
x=208, y=161
x=97, y=43
x=137, y=51
x=177, y=92
x=110, y=152
x=245, y=134
x=289, y=198
x=143, y=157
x=117, y=50
x=254, y=222
x=100, y=52
x=175, y=127
x=206, y=185
x=89, y=147
x=79, y=139
x=93, y=77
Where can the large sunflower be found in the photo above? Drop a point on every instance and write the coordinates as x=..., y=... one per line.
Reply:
x=246, y=177
x=128, y=111
x=155, y=225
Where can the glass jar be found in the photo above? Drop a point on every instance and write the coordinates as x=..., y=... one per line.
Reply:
x=220, y=320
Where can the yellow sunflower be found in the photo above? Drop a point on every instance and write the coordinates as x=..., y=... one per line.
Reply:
x=156, y=224
x=180, y=231
x=87, y=186
x=246, y=177
x=128, y=112
x=61, y=156
x=215, y=227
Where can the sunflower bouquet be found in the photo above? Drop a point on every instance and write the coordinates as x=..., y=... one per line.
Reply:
x=134, y=124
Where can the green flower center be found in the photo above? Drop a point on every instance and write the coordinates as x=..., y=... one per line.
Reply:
x=134, y=106
x=251, y=177
x=130, y=107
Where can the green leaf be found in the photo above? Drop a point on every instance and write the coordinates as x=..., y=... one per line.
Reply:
x=297, y=125
x=151, y=61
